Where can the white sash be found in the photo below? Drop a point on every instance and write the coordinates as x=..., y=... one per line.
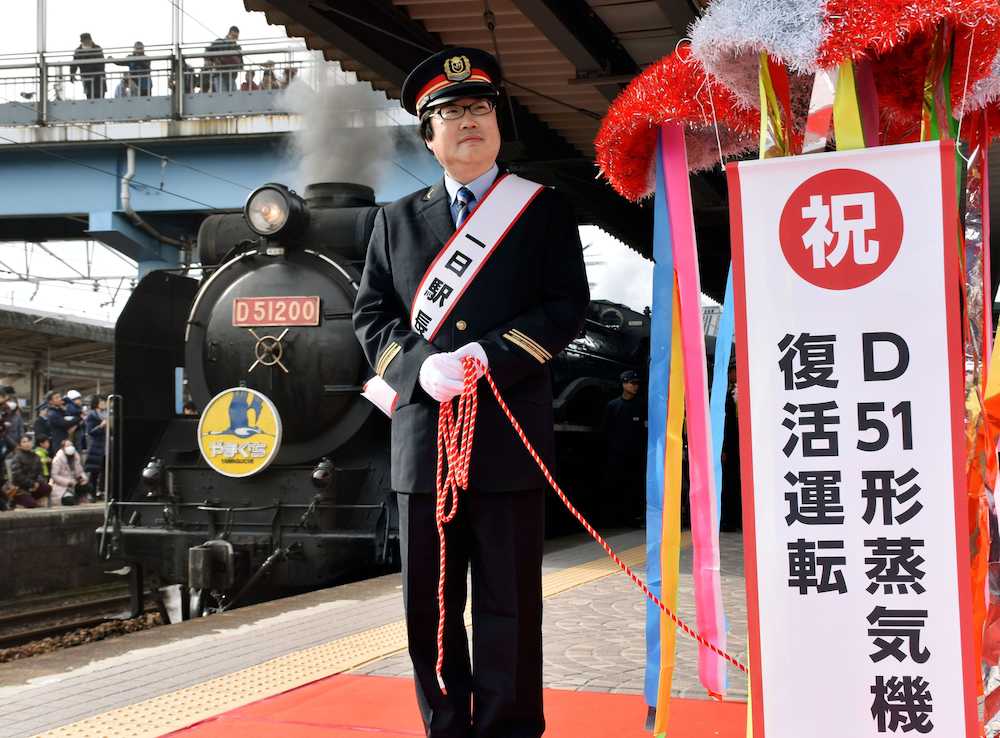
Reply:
x=456, y=266
x=467, y=251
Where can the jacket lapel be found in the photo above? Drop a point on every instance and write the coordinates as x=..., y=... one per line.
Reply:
x=436, y=211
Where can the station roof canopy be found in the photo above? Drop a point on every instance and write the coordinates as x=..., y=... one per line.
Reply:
x=564, y=61
x=71, y=351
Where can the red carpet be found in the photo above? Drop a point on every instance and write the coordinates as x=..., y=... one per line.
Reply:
x=357, y=706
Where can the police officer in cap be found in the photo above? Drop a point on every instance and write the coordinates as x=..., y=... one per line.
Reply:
x=514, y=311
x=625, y=462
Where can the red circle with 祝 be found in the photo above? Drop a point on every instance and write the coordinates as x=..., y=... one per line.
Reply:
x=841, y=229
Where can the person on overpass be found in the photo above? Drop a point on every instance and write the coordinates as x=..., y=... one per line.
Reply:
x=138, y=80
x=91, y=71
x=224, y=68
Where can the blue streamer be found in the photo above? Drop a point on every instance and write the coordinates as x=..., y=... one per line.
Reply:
x=659, y=380
x=720, y=386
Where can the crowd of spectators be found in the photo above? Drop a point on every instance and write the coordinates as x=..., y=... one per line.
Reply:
x=219, y=73
x=60, y=460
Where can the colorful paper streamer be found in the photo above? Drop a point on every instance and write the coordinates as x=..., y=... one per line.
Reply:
x=660, y=517
x=704, y=516
x=720, y=384
x=671, y=551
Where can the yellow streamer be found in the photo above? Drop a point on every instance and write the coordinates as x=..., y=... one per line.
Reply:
x=774, y=131
x=670, y=549
x=847, y=125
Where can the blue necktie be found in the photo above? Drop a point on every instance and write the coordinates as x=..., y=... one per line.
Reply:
x=466, y=203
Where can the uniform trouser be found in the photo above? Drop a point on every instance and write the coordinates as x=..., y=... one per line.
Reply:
x=500, y=535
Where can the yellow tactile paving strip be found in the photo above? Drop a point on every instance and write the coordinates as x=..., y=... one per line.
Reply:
x=178, y=709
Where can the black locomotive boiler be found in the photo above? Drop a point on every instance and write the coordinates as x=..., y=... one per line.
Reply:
x=272, y=314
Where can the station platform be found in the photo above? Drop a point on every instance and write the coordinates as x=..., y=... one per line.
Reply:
x=51, y=549
x=334, y=663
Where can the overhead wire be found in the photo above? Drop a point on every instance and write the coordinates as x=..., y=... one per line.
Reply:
x=86, y=279
x=181, y=8
x=60, y=259
x=113, y=174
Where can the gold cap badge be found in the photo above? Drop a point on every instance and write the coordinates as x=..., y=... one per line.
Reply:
x=457, y=68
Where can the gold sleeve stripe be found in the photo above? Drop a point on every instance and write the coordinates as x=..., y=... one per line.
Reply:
x=525, y=346
x=390, y=353
x=533, y=342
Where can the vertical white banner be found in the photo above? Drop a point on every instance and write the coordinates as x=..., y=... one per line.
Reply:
x=851, y=422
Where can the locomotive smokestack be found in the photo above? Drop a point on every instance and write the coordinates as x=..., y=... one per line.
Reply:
x=339, y=195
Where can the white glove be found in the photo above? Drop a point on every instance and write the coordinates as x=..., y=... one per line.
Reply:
x=477, y=352
x=441, y=376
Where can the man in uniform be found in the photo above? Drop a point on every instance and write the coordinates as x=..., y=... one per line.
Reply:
x=625, y=459
x=522, y=303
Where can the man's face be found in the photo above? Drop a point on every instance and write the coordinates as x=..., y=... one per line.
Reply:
x=25, y=444
x=56, y=400
x=233, y=35
x=467, y=144
x=631, y=387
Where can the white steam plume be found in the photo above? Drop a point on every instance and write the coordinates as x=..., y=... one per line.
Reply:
x=349, y=133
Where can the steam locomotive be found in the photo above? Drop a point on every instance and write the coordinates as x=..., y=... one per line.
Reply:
x=282, y=483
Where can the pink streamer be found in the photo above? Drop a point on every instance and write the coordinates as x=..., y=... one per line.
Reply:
x=704, y=516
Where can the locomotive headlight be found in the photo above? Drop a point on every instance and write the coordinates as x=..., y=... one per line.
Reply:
x=274, y=209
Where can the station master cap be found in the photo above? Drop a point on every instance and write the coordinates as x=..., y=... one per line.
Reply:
x=631, y=376
x=450, y=75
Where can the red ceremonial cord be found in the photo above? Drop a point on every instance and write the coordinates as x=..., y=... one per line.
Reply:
x=455, y=435
x=454, y=442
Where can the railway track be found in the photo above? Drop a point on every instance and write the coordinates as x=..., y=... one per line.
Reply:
x=34, y=623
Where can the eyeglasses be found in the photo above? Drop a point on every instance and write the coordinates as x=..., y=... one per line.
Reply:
x=454, y=112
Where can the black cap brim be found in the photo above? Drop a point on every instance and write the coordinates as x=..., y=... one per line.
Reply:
x=457, y=92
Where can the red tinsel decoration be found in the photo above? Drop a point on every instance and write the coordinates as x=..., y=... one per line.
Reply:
x=896, y=34
x=674, y=89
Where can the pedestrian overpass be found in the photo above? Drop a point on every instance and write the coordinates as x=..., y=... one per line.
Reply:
x=140, y=172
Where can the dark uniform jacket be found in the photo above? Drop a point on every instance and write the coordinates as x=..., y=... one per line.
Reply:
x=625, y=428
x=526, y=304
